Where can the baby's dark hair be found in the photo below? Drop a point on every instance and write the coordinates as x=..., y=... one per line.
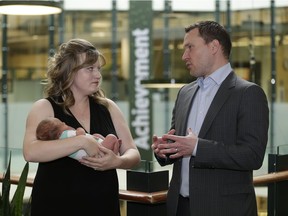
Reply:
x=48, y=130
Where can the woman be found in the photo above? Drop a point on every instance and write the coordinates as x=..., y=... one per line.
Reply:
x=62, y=185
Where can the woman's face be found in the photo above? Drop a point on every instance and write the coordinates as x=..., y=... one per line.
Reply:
x=87, y=80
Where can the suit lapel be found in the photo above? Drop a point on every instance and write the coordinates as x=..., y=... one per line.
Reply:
x=221, y=96
x=186, y=107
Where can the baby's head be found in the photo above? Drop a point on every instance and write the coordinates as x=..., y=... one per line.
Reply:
x=51, y=129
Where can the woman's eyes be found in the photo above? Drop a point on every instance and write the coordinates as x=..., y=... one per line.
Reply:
x=91, y=69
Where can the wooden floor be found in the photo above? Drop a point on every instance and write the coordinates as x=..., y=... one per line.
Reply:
x=123, y=208
x=262, y=205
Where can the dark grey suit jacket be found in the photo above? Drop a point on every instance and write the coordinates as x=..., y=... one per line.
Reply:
x=232, y=143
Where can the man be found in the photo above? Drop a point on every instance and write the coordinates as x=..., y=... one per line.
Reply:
x=219, y=132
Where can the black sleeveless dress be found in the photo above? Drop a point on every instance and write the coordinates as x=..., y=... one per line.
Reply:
x=64, y=187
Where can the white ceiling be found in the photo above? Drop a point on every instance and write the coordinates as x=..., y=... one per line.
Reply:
x=177, y=5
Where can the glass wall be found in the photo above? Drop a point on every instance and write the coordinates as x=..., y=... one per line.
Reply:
x=28, y=42
x=251, y=28
x=28, y=39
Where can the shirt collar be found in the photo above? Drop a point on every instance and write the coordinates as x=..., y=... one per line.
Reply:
x=217, y=76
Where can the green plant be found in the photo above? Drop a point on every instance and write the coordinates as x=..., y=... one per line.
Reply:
x=15, y=207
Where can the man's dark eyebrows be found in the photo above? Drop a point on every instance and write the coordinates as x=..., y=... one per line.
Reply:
x=187, y=45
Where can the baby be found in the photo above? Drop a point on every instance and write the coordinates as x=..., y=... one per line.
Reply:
x=52, y=128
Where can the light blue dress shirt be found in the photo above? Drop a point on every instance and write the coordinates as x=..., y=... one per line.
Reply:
x=208, y=88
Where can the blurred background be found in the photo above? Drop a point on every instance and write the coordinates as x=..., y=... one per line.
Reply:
x=258, y=29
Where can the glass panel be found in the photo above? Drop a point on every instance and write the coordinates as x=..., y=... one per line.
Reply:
x=282, y=149
x=28, y=42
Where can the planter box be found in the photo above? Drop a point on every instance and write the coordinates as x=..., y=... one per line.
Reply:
x=147, y=181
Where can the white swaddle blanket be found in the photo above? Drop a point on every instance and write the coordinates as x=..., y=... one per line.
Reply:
x=80, y=153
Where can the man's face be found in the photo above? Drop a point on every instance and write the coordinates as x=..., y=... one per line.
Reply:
x=197, y=54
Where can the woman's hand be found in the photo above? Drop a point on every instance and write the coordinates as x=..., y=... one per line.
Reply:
x=105, y=160
x=91, y=146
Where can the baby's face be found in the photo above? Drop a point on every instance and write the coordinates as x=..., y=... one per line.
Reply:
x=64, y=127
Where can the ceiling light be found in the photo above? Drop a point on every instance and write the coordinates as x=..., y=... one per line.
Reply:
x=30, y=7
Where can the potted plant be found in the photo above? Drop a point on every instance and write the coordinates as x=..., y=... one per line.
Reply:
x=15, y=207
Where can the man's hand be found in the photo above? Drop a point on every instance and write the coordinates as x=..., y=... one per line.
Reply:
x=158, y=142
x=179, y=146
